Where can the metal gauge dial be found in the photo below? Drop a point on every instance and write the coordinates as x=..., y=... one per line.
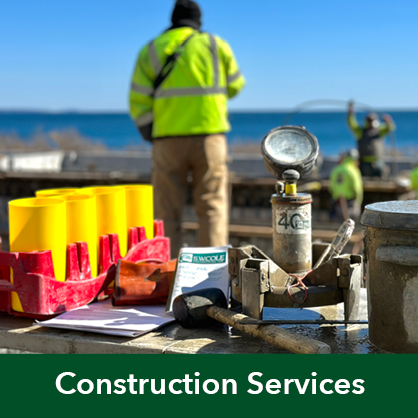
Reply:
x=289, y=147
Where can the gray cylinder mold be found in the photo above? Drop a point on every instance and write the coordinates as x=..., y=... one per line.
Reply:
x=292, y=233
x=391, y=258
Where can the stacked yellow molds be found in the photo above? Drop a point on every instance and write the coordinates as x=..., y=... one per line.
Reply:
x=58, y=217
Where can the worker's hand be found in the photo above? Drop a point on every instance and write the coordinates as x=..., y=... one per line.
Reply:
x=387, y=118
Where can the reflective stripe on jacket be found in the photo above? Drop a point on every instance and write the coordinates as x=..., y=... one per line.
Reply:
x=192, y=100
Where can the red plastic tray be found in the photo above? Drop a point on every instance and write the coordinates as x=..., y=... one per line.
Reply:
x=42, y=296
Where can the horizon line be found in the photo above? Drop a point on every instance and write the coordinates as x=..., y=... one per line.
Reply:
x=231, y=111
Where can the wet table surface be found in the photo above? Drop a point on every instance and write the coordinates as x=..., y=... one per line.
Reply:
x=21, y=334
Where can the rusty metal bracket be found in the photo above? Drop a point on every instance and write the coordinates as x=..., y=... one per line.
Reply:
x=256, y=281
x=254, y=278
x=350, y=278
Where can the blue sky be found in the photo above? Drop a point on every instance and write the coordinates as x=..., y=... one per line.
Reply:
x=79, y=55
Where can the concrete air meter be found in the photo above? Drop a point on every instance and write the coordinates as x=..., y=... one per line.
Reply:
x=288, y=280
x=289, y=153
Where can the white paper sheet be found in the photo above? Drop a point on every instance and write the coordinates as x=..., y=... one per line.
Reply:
x=103, y=318
x=200, y=268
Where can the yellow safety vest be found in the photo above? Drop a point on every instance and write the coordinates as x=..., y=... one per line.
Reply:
x=346, y=181
x=414, y=179
x=192, y=100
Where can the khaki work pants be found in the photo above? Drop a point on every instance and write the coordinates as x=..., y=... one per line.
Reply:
x=205, y=157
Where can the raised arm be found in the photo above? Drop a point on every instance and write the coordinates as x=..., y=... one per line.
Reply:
x=352, y=121
x=388, y=126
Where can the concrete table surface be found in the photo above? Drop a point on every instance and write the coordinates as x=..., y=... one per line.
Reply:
x=21, y=334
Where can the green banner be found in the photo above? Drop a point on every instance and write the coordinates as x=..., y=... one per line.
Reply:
x=207, y=385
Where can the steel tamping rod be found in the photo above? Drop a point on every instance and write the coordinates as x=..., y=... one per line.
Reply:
x=272, y=334
x=252, y=321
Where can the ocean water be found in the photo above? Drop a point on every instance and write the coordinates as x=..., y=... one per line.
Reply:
x=117, y=131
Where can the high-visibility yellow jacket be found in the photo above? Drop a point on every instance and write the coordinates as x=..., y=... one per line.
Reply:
x=192, y=100
x=370, y=142
x=414, y=179
x=346, y=181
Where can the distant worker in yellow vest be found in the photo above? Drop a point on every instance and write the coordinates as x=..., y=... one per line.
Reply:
x=346, y=188
x=370, y=142
x=414, y=179
x=178, y=99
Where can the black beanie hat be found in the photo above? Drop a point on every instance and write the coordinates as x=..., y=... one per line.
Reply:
x=186, y=13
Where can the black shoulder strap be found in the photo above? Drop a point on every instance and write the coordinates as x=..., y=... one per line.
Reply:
x=169, y=63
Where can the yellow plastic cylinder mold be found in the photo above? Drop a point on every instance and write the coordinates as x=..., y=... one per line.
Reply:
x=81, y=224
x=140, y=207
x=38, y=224
x=54, y=192
x=110, y=212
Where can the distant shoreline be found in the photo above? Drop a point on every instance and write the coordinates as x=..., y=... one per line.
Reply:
x=88, y=131
x=231, y=112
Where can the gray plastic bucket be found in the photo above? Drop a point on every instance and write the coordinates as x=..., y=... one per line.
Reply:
x=391, y=259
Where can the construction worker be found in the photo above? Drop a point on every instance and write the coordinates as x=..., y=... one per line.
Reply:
x=370, y=141
x=346, y=188
x=178, y=98
x=414, y=179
